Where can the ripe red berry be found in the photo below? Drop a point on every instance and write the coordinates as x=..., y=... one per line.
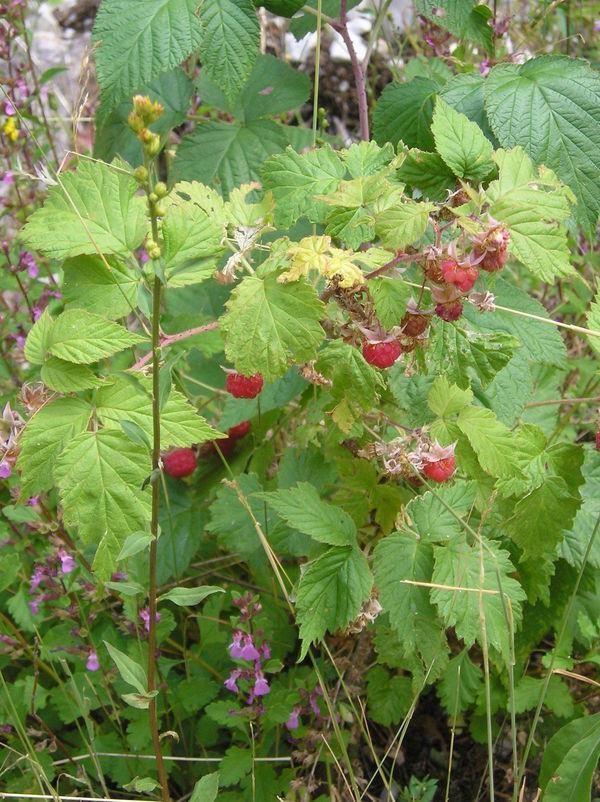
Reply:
x=382, y=355
x=493, y=260
x=180, y=462
x=462, y=276
x=241, y=386
x=413, y=325
x=449, y=311
x=440, y=471
x=240, y=430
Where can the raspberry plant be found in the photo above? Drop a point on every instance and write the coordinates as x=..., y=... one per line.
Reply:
x=330, y=372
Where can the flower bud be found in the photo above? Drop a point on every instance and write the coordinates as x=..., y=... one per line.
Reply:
x=141, y=175
x=160, y=190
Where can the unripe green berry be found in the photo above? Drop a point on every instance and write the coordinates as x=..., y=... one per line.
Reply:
x=153, y=197
x=160, y=190
x=141, y=175
x=159, y=210
x=154, y=251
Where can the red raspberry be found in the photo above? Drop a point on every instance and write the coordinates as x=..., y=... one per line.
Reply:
x=449, y=311
x=240, y=430
x=462, y=276
x=441, y=470
x=433, y=271
x=493, y=260
x=180, y=462
x=382, y=355
x=413, y=325
x=241, y=386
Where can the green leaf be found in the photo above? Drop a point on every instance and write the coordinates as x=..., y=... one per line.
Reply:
x=236, y=764
x=114, y=137
x=193, y=244
x=446, y=399
x=180, y=424
x=303, y=509
x=551, y=106
x=592, y=319
x=296, y=178
x=99, y=476
x=230, y=42
x=404, y=113
x=268, y=325
x=539, y=518
x=285, y=8
x=138, y=541
x=577, y=537
x=226, y=155
x=461, y=143
x=569, y=761
x=141, y=784
x=460, y=684
x=465, y=93
x=65, y=377
x=461, y=17
x=206, y=789
x=433, y=515
x=426, y=172
x=84, y=337
x=463, y=353
x=51, y=428
x=305, y=22
x=138, y=39
x=388, y=697
x=131, y=672
x=273, y=87
x=433, y=68
x=531, y=206
x=331, y=592
x=403, y=223
x=458, y=565
x=390, y=297
x=492, y=441
x=399, y=560
x=92, y=209
x=189, y=597
x=36, y=344
x=89, y=284
x=367, y=158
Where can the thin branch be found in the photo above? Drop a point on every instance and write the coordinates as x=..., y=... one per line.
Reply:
x=171, y=339
x=357, y=69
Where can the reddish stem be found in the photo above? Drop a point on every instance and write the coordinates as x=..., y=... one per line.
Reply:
x=170, y=339
x=357, y=68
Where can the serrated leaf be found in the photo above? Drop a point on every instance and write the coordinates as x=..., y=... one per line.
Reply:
x=426, y=172
x=138, y=39
x=138, y=541
x=551, y=106
x=460, y=684
x=296, y=178
x=462, y=353
x=92, y=209
x=236, y=764
x=461, y=17
x=189, y=597
x=36, y=344
x=433, y=515
x=303, y=509
x=403, y=223
x=399, y=560
x=446, y=399
x=272, y=87
x=99, y=476
x=84, y=337
x=492, y=441
x=367, y=158
x=230, y=42
x=458, y=565
x=461, y=143
x=390, y=297
x=226, y=155
x=268, y=325
x=577, y=537
x=65, y=377
x=465, y=93
x=404, y=113
x=89, y=284
x=388, y=697
x=331, y=591
x=46, y=434
x=180, y=424
x=192, y=244
x=131, y=672
x=592, y=319
x=532, y=207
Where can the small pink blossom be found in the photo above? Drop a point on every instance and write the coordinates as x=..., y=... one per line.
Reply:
x=67, y=563
x=145, y=616
x=231, y=681
x=293, y=721
x=261, y=686
x=92, y=663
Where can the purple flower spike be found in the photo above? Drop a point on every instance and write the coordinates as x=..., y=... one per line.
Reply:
x=5, y=469
x=67, y=563
x=92, y=663
x=235, y=647
x=231, y=681
x=249, y=650
x=261, y=686
x=145, y=616
x=293, y=721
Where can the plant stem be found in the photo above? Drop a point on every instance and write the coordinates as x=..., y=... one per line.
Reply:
x=170, y=339
x=155, y=484
x=357, y=69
